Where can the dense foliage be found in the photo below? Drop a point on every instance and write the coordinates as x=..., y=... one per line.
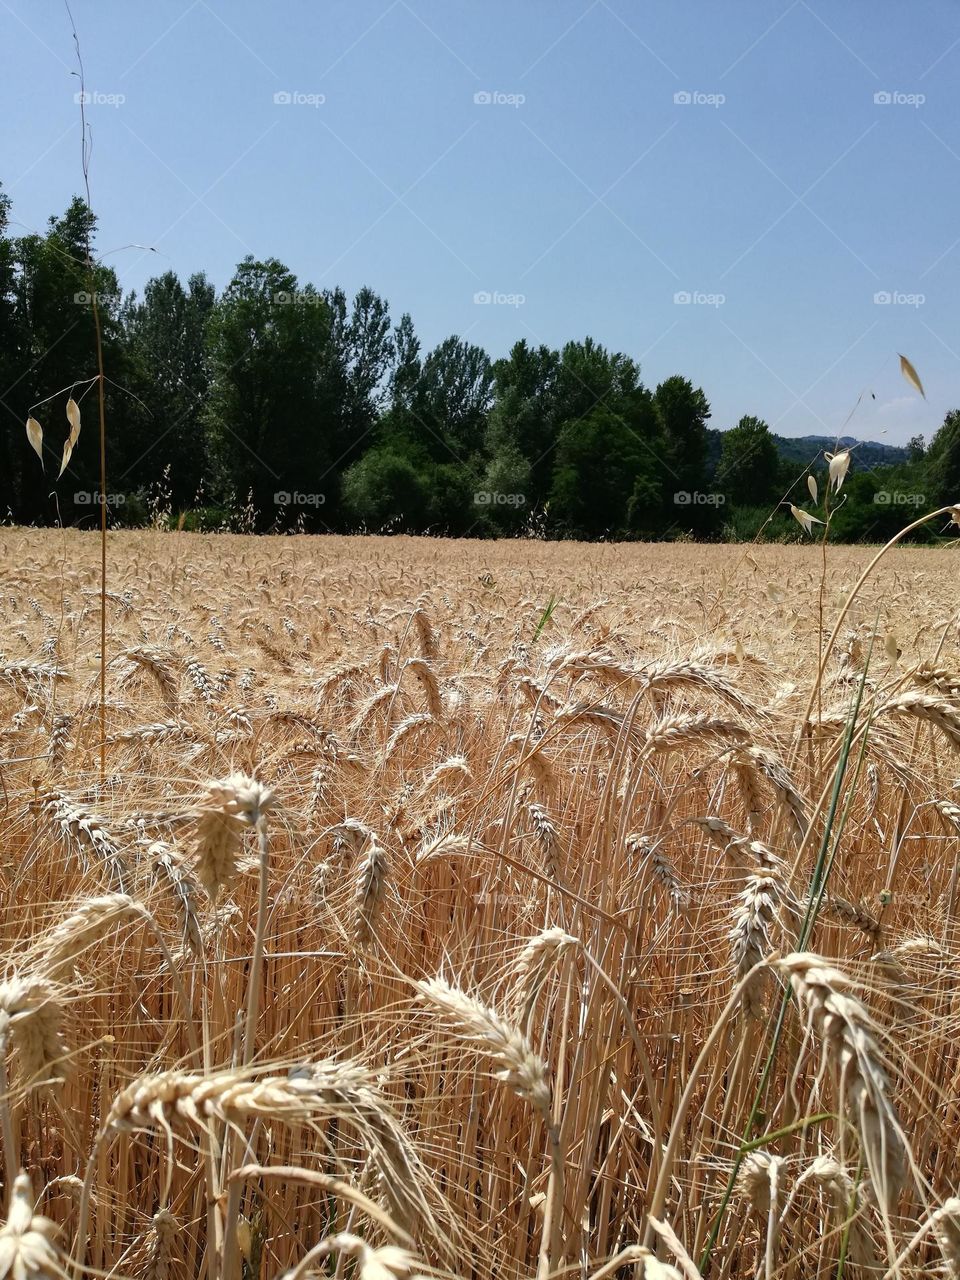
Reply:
x=277, y=406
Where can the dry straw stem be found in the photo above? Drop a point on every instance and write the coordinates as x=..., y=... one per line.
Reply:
x=329, y=1186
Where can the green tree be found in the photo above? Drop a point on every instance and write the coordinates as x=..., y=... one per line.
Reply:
x=608, y=473
x=682, y=411
x=452, y=400
x=942, y=467
x=166, y=334
x=522, y=425
x=355, y=366
x=275, y=406
x=385, y=489
x=747, y=471
x=508, y=475
x=916, y=448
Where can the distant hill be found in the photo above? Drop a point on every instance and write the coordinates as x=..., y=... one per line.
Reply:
x=870, y=453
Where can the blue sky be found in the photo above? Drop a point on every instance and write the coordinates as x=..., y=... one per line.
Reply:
x=582, y=196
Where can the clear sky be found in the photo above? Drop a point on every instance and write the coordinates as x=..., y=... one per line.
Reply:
x=582, y=195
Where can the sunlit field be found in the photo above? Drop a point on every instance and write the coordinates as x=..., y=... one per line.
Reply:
x=478, y=909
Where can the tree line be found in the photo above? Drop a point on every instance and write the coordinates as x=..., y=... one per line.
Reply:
x=278, y=406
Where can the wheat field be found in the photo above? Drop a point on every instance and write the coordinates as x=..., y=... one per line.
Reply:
x=477, y=909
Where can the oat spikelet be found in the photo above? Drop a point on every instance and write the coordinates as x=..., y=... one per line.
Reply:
x=388, y=1262
x=850, y=1047
x=227, y=809
x=27, y=1249
x=521, y=1069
